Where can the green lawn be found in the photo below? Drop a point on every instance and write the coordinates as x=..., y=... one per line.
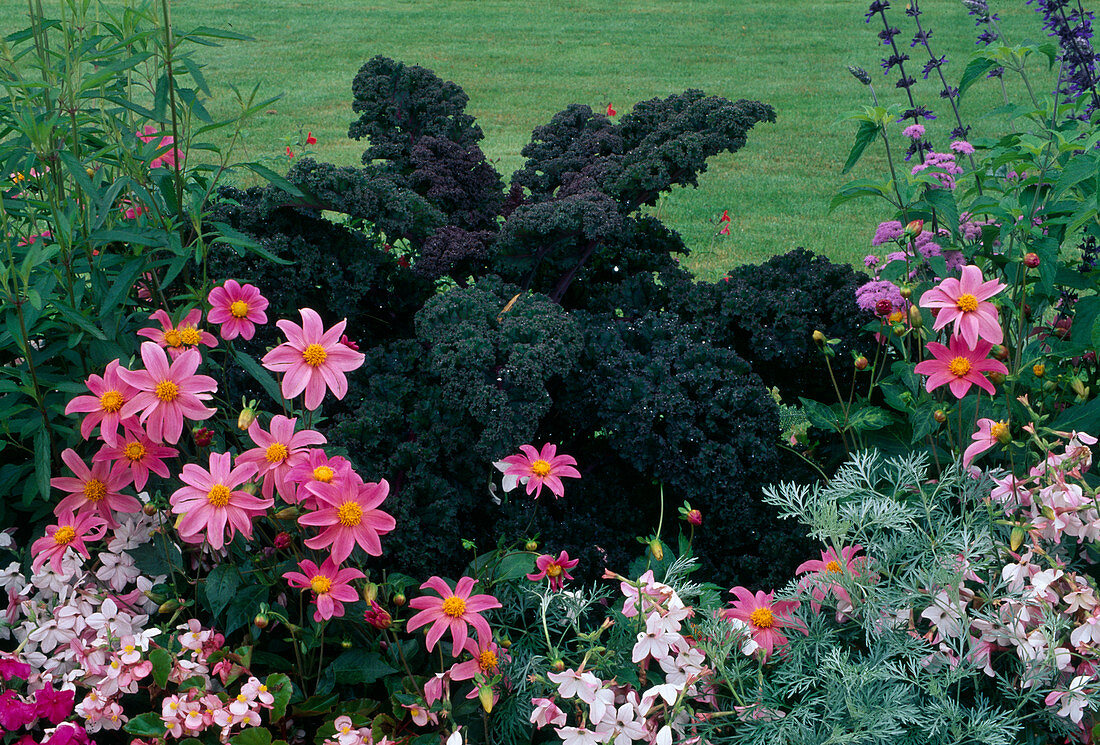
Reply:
x=522, y=62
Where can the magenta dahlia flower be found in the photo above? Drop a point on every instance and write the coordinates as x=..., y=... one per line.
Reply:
x=96, y=490
x=989, y=434
x=348, y=516
x=277, y=452
x=554, y=569
x=168, y=393
x=178, y=339
x=138, y=453
x=237, y=308
x=71, y=531
x=823, y=574
x=452, y=611
x=109, y=394
x=959, y=366
x=312, y=359
x=210, y=502
x=331, y=586
x=963, y=301
x=764, y=616
x=318, y=468
x=487, y=657
x=171, y=155
x=545, y=467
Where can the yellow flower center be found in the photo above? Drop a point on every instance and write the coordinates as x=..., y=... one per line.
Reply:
x=190, y=336
x=487, y=660
x=276, y=453
x=65, y=535
x=553, y=570
x=314, y=355
x=349, y=514
x=540, y=468
x=238, y=309
x=218, y=496
x=762, y=618
x=262, y=688
x=134, y=451
x=242, y=698
x=94, y=490
x=166, y=390
x=111, y=401
x=128, y=649
x=959, y=366
x=896, y=317
x=320, y=584
x=833, y=567
x=967, y=303
x=454, y=606
x=324, y=474
x=1000, y=432
x=172, y=338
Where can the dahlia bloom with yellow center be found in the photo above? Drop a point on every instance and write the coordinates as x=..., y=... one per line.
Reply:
x=963, y=302
x=313, y=360
x=95, y=490
x=211, y=503
x=765, y=617
x=959, y=366
x=348, y=516
x=331, y=586
x=278, y=450
x=454, y=611
x=178, y=338
x=103, y=408
x=237, y=308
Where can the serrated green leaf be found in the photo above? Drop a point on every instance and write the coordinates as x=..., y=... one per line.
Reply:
x=280, y=687
x=865, y=135
x=162, y=666
x=975, y=69
x=868, y=418
x=820, y=415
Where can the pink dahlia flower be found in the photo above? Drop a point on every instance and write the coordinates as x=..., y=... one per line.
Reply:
x=168, y=393
x=555, y=570
x=963, y=301
x=545, y=467
x=96, y=490
x=277, y=452
x=71, y=531
x=109, y=394
x=348, y=516
x=452, y=611
x=238, y=308
x=137, y=452
x=825, y=572
x=764, y=616
x=989, y=434
x=319, y=468
x=487, y=657
x=170, y=156
x=330, y=585
x=959, y=367
x=313, y=359
x=210, y=501
x=178, y=339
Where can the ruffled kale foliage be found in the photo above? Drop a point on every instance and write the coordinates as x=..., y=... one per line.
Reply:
x=568, y=320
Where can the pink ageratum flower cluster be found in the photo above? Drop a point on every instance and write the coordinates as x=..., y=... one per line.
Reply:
x=943, y=168
x=880, y=297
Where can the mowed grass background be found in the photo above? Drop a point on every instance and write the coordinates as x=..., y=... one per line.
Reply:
x=522, y=62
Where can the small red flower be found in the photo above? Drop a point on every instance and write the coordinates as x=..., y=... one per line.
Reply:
x=289, y=152
x=310, y=139
x=725, y=230
x=611, y=111
x=725, y=216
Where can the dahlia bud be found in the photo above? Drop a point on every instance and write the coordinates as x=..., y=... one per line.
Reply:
x=996, y=378
x=505, y=641
x=90, y=171
x=485, y=696
x=906, y=292
x=940, y=415
x=281, y=540
x=915, y=318
x=1039, y=369
x=914, y=228
x=377, y=616
x=345, y=644
x=1031, y=260
x=287, y=513
x=1000, y=351
x=1017, y=538
x=531, y=545
x=884, y=307
x=168, y=606
x=260, y=621
x=694, y=517
x=399, y=599
x=1001, y=433
x=203, y=436
x=656, y=549
x=247, y=416
x=149, y=510
x=250, y=487
x=557, y=665
x=861, y=363
x=859, y=74
x=370, y=592
x=819, y=337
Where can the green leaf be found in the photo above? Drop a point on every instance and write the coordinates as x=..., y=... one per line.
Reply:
x=162, y=666
x=1081, y=417
x=280, y=687
x=943, y=200
x=1077, y=170
x=243, y=607
x=871, y=417
x=923, y=422
x=148, y=724
x=159, y=556
x=359, y=666
x=238, y=240
x=316, y=705
x=865, y=135
x=820, y=415
x=975, y=69
x=221, y=587
x=78, y=319
x=275, y=179
x=261, y=376
x=252, y=736
x=42, y=462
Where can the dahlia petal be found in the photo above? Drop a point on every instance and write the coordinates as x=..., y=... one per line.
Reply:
x=435, y=633
x=458, y=635
x=315, y=391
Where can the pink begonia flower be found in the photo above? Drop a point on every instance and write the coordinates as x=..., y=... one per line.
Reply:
x=545, y=467
x=318, y=468
x=556, y=570
x=15, y=712
x=210, y=502
x=109, y=394
x=171, y=155
x=168, y=392
x=349, y=516
x=824, y=573
x=237, y=308
x=989, y=434
x=71, y=531
x=420, y=715
x=178, y=338
x=959, y=366
x=963, y=301
x=487, y=657
x=277, y=452
x=312, y=359
x=138, y=453
x=452, y=611
x=97, y=489
x=764, y=616
x=546, y=712
x=330, y=585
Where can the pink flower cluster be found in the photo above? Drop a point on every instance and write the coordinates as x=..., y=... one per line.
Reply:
x=194, y=712
x=944, y=168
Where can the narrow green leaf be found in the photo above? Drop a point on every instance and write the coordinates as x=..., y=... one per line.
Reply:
x=865, y=135
x=42, y=458
x=78, y=319
x=262, y=376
